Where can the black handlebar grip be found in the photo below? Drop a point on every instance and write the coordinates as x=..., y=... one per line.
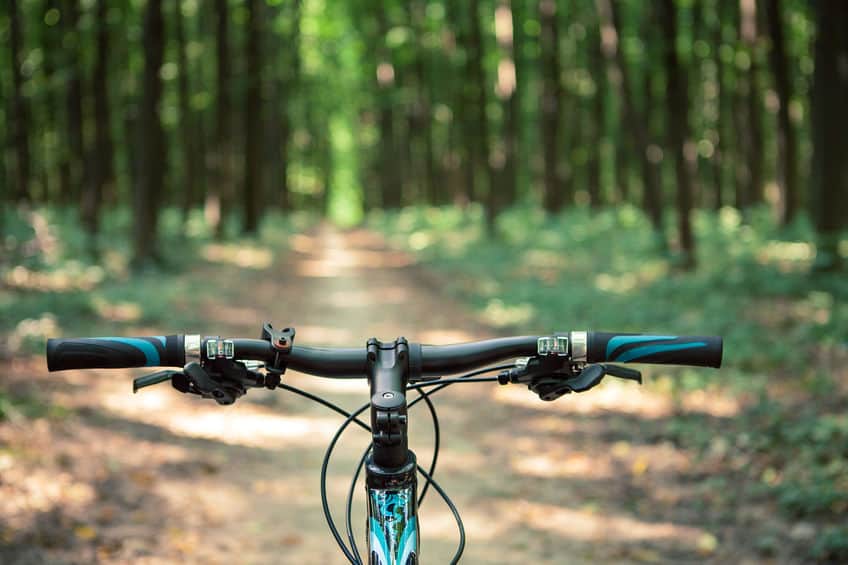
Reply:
x=699, y=351
x=115, y=352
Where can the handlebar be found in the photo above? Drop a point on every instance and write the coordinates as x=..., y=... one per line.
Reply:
x=424, y=360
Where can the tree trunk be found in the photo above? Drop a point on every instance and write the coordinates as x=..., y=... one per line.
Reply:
x=464, y=109
x=103, y=164
x=477, y=78
x=829, y=116
x=20, y=119
x=73, y=53
x=421, y=112
x=390, y=179
x=749, y=36
x=506, y=89
x=217, y=195
x=253, y=120
x=152, y=166
x=678, y=132
x=550, y=110
x=637, y=122
x=720, y=156
x=597, y=117
x=787, y=147
x=187, y=123
x=287, y=82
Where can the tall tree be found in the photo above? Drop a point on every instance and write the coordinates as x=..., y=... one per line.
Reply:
x=102, y=159
x=637, y=122
x=217, y=194
x=420, y=113
x=390, y=177
x=551, y=105
x=147, y=194
x=253, y=119
x=597, y=116
x=74, y=99
x=21, y=113
x=677, y=102
x=787, y=147
x=56, y=154
x=829, y=116
x=721, y=153
x=506, y=89
x=462, y=128
x=749, y=184
x=284, y=85
x=187, y=123
x=480, y=124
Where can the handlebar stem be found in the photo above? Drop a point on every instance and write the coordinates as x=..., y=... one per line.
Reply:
x=387, y=367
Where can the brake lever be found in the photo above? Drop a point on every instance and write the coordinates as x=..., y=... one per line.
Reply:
x=152, y=379
x=592, y=375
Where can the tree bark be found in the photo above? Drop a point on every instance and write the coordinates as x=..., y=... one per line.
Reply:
x=421, y=110
x=506, y=89
x=787, y=147
x=217, y=195
x=720, y=156
x=749, y=36
x=74, y=101
x=287, y=82
x=678, y=132
x=477, y=78
x=829, y=116
x=187, y=122
x=390, y=180
x=551, y=109
x=103, y=165
x=253, y=120
x=597, y=116
x=20, y=107
x=147, y=198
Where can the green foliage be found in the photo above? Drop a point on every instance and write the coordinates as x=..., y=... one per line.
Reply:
x=603, y=271
x=53, y=283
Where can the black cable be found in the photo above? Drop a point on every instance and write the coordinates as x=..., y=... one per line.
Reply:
x=442, y=383
x=349, y=505
x=461, y=547
x=353, y=417
x=445, y=382
x=323, y=402
x=437, y=439
x=324, y=503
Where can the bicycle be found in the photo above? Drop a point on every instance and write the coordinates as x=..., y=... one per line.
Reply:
x=224, y=369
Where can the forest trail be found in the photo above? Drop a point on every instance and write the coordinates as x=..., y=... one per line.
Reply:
x=160, y=477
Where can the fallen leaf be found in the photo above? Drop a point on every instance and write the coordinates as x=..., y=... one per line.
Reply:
x=85, y=532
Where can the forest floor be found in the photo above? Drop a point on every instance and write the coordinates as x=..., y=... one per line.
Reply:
x=160, y=477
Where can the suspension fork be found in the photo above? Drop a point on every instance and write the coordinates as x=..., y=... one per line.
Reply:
x=390, y=470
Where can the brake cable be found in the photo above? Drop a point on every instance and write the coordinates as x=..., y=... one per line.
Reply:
x=352, y=417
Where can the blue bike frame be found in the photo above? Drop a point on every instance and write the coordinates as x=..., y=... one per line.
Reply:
x=393, y=525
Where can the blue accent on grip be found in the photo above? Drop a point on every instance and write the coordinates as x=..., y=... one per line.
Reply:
x=620, y=340
x=647, y=350
x=151, y=355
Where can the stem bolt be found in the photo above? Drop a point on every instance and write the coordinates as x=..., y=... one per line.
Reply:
x=388, y=395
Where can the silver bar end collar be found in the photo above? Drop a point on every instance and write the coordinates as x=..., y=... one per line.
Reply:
x=192, y=347
x=579, y=346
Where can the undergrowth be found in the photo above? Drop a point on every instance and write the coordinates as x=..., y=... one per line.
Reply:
x=784, y=328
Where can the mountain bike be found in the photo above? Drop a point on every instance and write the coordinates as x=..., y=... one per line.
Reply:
x=224, y=369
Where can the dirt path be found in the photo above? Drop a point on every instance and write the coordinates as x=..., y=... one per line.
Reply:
x=163, y=478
